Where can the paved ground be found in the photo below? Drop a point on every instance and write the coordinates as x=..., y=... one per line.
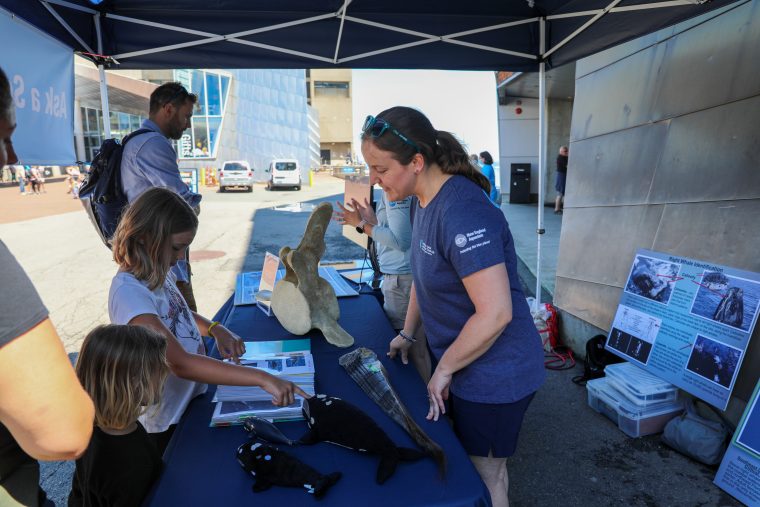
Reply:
x=568, y=454
x=72, y=270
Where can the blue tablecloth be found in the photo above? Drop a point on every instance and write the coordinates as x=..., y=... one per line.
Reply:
x=200, y=461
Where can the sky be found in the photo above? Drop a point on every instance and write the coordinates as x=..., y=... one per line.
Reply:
x=463, y=103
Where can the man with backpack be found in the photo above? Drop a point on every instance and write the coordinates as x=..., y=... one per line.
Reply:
x=149, y=160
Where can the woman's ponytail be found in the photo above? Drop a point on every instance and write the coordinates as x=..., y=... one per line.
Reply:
x=453, y=159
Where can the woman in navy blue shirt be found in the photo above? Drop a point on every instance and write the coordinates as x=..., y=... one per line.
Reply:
x=466, y=289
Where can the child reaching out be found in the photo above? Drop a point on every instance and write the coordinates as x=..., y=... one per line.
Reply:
x=153, y=234
x=123, y=369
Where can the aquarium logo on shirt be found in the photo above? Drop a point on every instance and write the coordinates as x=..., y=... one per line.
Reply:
x=426, y=249
x=460, y=240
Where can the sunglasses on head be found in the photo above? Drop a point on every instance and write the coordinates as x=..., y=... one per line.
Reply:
x=376, y=127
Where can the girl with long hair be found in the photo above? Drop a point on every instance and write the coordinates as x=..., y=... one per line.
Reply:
x=123, y=369
x=153, y=234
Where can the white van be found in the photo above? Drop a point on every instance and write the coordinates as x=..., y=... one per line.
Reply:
x=284, y=173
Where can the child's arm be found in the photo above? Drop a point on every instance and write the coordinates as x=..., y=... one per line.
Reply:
x=205, y=369
x=41, y=401
x=230, y=345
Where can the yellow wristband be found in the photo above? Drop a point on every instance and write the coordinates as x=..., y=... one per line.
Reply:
x=213, y=324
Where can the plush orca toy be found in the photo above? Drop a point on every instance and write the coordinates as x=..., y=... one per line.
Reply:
x=336, y=421
x=270, y=466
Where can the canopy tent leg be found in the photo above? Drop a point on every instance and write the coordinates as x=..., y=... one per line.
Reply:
x=104, y=102
x=541, y=158
x=103, y=83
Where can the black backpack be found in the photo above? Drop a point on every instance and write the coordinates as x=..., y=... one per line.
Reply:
x=597, y=357
x=101, y=193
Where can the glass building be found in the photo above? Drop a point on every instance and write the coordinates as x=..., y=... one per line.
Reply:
x=253, y=115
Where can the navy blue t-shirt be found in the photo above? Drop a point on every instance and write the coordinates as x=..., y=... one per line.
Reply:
x=460, y=232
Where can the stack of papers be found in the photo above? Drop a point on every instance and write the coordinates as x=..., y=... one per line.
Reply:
x=296, y=367
x=287, y=359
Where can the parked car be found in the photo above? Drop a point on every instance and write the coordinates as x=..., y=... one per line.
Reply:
x=284, y=173
x=235, y=173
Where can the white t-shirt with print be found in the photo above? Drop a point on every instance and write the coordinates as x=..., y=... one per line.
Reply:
x=130, y=297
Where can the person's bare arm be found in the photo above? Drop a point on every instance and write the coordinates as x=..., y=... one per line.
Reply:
x=211, y=371
x=42, y=402
x=489, y=292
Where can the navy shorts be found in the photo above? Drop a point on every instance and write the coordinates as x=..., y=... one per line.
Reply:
x=484, y=427
x=559, y=185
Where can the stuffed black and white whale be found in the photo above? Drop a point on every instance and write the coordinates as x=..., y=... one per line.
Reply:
x=336, y=421
x=270, y=466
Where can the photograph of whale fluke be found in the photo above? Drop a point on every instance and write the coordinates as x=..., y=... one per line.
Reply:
x=366, y=369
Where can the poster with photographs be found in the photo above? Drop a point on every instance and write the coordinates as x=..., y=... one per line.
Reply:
x=739, y=472
x=687, y=321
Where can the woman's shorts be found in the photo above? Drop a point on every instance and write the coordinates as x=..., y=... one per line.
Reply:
x=484, y=427
x=559, y=185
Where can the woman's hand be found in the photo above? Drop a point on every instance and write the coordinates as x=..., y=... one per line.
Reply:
x=346, y=215
x=400, y=346
x=438, y=392
x=365, y=211
x=283, y=392
x=230, y=345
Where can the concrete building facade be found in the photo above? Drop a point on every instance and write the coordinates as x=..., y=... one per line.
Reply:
x=330, y=92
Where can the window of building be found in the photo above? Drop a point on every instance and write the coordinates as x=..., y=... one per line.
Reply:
x=331, y=89
x=212, y=89
x=92, y=128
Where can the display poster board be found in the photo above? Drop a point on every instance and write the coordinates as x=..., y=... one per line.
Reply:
x=41, y=74
x=357, y=187
x=686, y=321
x=190, y=178
x=739, y=472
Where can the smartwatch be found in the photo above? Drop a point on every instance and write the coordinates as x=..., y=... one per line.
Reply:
x=360, y=227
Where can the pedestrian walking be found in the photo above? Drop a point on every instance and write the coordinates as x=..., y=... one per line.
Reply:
x=21, y=177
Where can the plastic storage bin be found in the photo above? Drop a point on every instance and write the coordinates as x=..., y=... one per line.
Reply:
x=633, y=420
x=639, y=386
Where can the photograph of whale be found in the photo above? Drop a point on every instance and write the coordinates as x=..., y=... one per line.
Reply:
x=632, y=346
x=714, y=361
x=652, y=278
x=727, y=299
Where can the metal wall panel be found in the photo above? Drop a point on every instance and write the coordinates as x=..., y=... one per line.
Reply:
x=724, y=232
x=713, y=64
x=711, y=154
x=615, y=169
x=591, y=302
x=617, y=97
x=710, y=65
x=598, y=244
x=621, y=51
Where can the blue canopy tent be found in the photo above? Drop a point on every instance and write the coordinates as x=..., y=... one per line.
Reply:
x=514, y=35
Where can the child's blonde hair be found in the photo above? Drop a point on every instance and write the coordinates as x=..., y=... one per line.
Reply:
x=139, y=243
x=123, y=369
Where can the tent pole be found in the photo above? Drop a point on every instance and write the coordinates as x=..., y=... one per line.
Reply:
x=103, y=83
x=104, y=102
x=541, y=156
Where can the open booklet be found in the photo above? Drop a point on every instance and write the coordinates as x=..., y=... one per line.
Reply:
x=234, y=412
x=289, y=360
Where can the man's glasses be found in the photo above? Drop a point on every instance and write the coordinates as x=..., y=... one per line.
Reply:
x=376, y=127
